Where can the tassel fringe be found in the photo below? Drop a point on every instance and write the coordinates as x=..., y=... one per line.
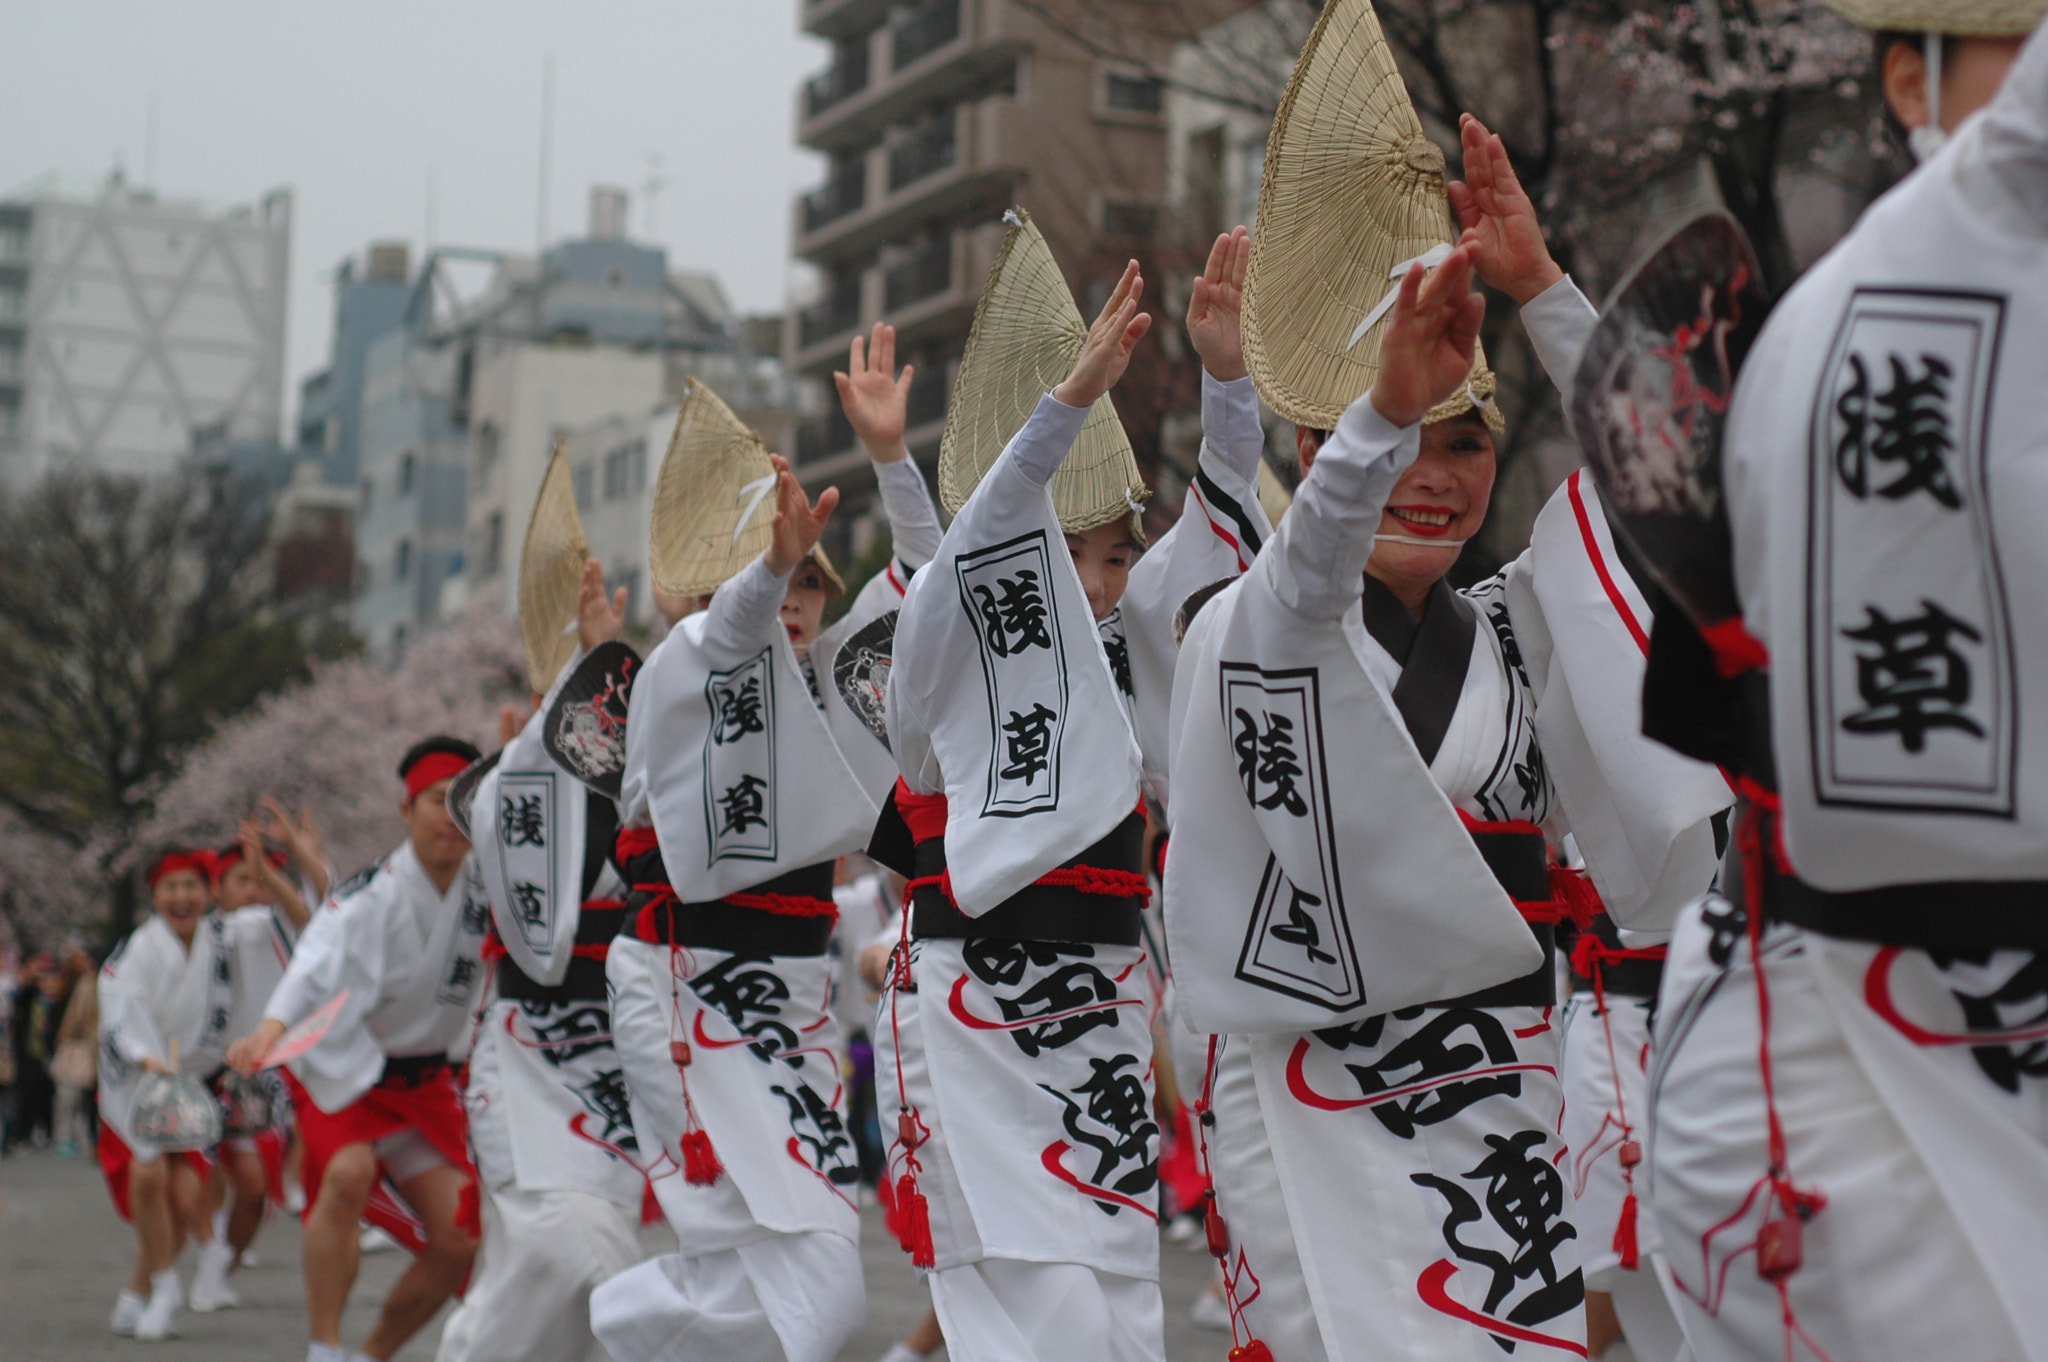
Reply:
x=916, y=1222
x=1254, y=1351
x=1625, y=1235
x=701, y=1167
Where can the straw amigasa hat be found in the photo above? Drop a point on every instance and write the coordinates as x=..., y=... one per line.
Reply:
x=714, y=501
x=1026, y=335
x=551, y=575
x=1354, y=193
x=1950, y=18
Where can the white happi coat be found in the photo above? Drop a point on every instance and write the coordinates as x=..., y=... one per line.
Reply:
x=409, y=957
x=1886, y=481
x=155, y=993
x=1319, y=928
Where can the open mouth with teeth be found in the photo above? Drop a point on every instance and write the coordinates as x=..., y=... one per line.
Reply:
x=1425, y=521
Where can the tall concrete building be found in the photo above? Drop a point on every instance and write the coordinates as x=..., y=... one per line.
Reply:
x=134, y=326
x=935, y=119
x=370, y=300
x=462, y=403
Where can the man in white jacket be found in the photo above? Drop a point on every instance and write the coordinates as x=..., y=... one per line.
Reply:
x=376, y=1098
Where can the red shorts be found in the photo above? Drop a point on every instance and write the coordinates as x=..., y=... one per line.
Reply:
x=116, y=1158
x=433, y=1108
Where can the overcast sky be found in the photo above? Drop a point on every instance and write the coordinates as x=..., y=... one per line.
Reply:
x=356, y=104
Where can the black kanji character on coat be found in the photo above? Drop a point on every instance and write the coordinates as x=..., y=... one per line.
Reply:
x=744, y=805
x=1300, y=928
x=1525, y=1199
x=563, y=1032
x=1072, y=986
x=529, y=902
x=1267, y=764
x=1457, y=1039
x=750, y=994
x=605, y=1095
x=739, y=711
x=814, y=1123
x=1118, y=650
x=1916, y=680
x=1907, y=424
x=1114, y=1120
x=522, y=821
x=1027, y=742
x=1013, y=616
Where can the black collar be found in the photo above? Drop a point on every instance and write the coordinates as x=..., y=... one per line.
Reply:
x=1434, y=654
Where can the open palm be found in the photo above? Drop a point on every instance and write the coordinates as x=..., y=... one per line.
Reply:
x=1216, y=306
x=875, y=397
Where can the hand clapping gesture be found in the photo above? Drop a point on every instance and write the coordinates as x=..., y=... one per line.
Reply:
x=1107, y=351
x=798, y=522
x=1217, y=304
x=875, y=397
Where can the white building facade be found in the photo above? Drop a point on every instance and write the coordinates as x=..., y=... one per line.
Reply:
x=133, y=325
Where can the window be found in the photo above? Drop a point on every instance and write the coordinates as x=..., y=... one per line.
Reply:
x=1128, y=221
x=401, y=569
x=407, y=467
x=1133, y=94
x=584, y=480
x=486, y=454
x=625, y=471
x=491, y=559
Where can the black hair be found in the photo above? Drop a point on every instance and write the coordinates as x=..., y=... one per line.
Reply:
x=427, y=747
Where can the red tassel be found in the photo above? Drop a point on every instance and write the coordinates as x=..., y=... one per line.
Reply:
x=701, y=1167
x=1213, y=1227
x=1625, y=1235
x=650, y=1204
x=1254, y=1351
x=469, y=1210
x=1631, y=1150
x=679, y=1053
x=916, y=1222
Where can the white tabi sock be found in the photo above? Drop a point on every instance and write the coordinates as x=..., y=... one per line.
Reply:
x=326, y=1352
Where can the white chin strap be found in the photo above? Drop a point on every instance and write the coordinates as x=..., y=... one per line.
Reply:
x=1928, y=140
x=1417, y=542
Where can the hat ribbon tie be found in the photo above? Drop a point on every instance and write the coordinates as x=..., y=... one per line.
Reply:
x=760, y=488
x=1429, y=260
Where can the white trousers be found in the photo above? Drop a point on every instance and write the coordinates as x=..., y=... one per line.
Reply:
x=1003, y=1310
x=1889, y=1272
x=529, y=1297
x=787, y=1298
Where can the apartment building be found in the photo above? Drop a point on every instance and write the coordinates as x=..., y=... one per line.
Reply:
x=934, y=119
x=132, y=324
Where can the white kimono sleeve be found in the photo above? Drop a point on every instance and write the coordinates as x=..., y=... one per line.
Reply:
x=1221, y=529
x=125, y=1023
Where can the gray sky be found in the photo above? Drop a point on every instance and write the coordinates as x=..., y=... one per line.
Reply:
x=355, y=103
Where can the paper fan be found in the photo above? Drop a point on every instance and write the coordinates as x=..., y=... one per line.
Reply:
x=714, y=501
x=551, y=575
x=1026, y=334
x=1353, y=193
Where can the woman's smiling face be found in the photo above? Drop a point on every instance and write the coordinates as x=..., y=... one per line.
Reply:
x=1443, y=496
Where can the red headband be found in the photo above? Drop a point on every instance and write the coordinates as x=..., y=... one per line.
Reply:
x=433, y=767
x=171, y=862
x=224, y=861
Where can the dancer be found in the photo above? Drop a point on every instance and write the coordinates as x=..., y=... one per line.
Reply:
x=1367, y=760
x=376, y=1099
x=168, y=1003
x=556, y=1156
x=735, y=785
x=1849, y=1100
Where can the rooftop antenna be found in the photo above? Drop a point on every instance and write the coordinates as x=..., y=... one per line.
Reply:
x=651, y=190
x=547, y=147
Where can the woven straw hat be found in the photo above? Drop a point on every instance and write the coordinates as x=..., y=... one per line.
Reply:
x=835, y=585
x=714, y=500
x=1026, y=335
x=1954, y=18
x=551, y=575
x=1353, y=192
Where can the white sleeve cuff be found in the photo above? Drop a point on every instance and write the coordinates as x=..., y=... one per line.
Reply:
x=1560, y=321
x=1041, y=447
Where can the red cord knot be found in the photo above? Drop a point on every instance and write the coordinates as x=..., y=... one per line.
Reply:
x=679, y=1053
x=1631, y=1153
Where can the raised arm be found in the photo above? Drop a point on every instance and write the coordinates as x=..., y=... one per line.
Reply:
x=1232, y=438
x=284, y=894
x=742, y=616
x=876, y=401
x=1318, y=554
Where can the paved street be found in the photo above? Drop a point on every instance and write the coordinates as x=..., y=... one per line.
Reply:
x=64, y=1256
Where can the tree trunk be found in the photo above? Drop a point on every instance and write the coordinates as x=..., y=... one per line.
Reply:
x=1745, y=171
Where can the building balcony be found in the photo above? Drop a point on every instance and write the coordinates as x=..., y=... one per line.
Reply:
x=923, y=275
x=845, y=78
x=967, y=161
x=844, y=193
x=923, y=33
x=943, y=50
x=842, y=18
x=826, y=322
x=927, y=294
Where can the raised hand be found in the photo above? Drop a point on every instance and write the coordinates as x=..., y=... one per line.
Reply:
x=510, y=721
x=1107, y=351
x=1497, y=215
x=598, y=620
x=1426, y=354
x=1216, y=306
x=283, y=893
x=798, y=521
x=875, y=398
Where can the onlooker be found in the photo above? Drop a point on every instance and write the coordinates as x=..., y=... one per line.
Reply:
x=38, y=1006
x=10, y=976
x=74, y=1065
